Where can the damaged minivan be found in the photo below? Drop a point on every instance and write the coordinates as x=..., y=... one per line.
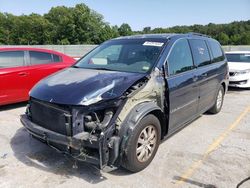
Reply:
x=115, y=105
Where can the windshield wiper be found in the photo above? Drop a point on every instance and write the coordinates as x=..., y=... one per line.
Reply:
x=95, y=68
x=102, y=68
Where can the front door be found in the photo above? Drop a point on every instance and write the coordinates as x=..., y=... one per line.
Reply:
x=182, y=86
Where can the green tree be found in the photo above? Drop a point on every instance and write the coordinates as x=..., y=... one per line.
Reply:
x=245, y=38
x=8, y=23
x=62, y=23
x=90, y=26
x=223, y=38
x=146, y=30
x=81, y=25
x=235, y=39
x=160, y=30
x=34, y=29
x=2, y=29
x=125, y=30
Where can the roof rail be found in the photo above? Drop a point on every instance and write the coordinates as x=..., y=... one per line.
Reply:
x=198, y=34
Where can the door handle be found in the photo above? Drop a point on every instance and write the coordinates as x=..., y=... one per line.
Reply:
x=22, y=73
x=204, y=75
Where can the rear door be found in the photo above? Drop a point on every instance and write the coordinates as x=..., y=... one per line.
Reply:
x=205, y=73
x=183, y=89
x=208, y=73
x=42, y=64
x=13, y=76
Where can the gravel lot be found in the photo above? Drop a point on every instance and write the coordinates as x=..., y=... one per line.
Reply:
x=213, y=151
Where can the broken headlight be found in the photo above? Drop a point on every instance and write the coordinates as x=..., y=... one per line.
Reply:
x=94, y=118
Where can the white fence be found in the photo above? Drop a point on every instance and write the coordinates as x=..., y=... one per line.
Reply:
x=71, y=50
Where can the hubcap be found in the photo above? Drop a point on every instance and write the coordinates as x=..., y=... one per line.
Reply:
x=219, y=99
x=146, y=143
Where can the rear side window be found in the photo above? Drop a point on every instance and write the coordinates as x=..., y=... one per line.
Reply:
x=216, y=51
x=200, y=52
x=11, y=59
x=56, y=58
x=180, y=58
x=40, y=58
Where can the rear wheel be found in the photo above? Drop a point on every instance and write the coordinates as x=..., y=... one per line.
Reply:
x=142, y=144
x=219, y=101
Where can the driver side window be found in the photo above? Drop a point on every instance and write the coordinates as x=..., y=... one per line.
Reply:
x=180, y=58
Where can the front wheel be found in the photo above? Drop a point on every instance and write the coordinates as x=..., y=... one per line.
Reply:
x=219, y=101
x=142, y=144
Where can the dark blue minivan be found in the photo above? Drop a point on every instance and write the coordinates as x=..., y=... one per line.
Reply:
x=115, y=105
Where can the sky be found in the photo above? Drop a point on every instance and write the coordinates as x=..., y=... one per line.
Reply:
x=142, y=13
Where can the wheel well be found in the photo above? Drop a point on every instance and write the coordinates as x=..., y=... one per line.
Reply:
x=162, y=118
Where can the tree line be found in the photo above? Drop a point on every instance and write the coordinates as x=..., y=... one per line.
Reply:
x=235, y=33
x=82, y=25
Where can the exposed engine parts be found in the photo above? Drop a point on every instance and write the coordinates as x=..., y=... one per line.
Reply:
x=93, y=121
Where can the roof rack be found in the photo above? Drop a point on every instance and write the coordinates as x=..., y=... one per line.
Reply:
x=198, y=34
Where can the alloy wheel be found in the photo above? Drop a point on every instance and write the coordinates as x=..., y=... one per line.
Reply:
x=146, y=143
x=219, y=99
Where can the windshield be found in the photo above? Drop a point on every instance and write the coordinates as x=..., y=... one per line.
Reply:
x=238, y=58
x=126, y=55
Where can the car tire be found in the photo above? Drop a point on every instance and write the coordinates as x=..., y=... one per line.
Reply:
x=142, y=144
x=218, y=101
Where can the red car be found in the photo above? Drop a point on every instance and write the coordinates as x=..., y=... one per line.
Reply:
x=22, y=68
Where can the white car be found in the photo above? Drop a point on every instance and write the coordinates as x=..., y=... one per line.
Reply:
x=239, y=68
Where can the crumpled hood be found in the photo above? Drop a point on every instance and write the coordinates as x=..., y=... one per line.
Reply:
x=76, y=86
x=236, y=66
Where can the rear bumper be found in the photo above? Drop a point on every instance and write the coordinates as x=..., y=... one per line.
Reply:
x=77, y=142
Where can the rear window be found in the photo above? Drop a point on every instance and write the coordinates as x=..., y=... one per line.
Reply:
x=238, y=58
x=200, y=52
x=40, y=58
x=56, y=58
x=11, y=59
x=37, y=58
x=216, y=51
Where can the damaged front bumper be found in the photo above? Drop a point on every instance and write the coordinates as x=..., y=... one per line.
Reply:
x=101, y=151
